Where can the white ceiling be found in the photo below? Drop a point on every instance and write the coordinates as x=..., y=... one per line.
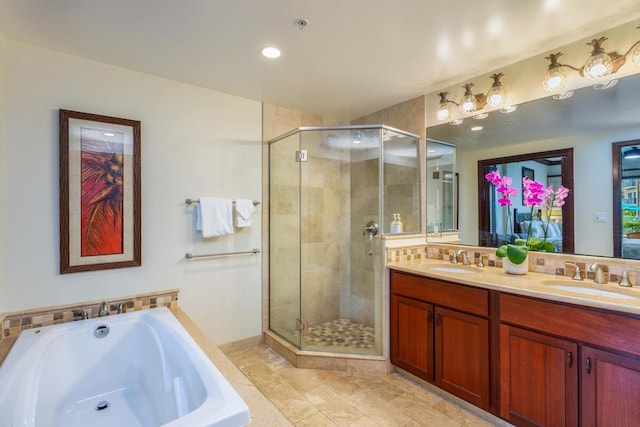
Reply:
x=355, y=56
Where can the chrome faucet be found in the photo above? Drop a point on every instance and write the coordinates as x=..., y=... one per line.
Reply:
x=82, y=313
x=103, y=310
x=480, y=263
x=465, y=257
x=624, y=280
x=598, y=277
x=576, y=272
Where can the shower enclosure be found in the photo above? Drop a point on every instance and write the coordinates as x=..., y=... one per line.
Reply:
x=333, y=194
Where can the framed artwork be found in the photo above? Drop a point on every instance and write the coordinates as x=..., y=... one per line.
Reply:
x=527, y=173
x=100, y=212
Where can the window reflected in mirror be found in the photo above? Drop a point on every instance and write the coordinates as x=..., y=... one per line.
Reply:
x=626, y=206
x=442, y=188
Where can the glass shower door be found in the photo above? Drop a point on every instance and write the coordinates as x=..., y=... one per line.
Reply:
x=284, y=238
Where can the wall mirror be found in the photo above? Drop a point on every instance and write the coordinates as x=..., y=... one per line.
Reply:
x=587, y=122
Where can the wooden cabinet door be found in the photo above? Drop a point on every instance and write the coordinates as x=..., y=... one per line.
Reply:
x=462, y=355
x=412, y=336
x=538, y=379
x=610, y=389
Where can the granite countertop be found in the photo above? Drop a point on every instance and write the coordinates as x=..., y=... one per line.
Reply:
x=263, y=412
x=608, y=296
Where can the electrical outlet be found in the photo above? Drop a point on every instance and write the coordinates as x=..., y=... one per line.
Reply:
x=600, y=217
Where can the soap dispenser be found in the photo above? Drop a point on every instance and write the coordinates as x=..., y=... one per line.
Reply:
x=396, y=225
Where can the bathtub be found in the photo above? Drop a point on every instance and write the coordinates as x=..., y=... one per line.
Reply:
x=134, y=369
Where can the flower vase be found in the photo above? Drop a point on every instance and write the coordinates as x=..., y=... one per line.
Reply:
x=512, y=268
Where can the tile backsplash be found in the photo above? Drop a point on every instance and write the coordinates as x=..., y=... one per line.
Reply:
x=16, y=322
x=539, y=262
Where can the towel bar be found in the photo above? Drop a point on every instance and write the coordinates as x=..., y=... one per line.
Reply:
x=190, y=201
x=189, y=255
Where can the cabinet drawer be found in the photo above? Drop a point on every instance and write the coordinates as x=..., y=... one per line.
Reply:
x=445, y=294
x=615, y=331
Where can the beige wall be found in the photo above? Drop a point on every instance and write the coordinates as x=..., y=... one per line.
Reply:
x=194, y=142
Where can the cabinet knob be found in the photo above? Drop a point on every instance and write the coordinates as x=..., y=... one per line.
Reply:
x=437, y=319
x=429, y=316
x=569, y=359
x=588, y=365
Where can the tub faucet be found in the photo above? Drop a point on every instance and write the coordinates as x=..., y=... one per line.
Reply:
x=104, y=310
x=82, y=313
x=465, y=257
x=598, y=277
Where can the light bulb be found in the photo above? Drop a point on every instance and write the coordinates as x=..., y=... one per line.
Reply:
x=444, y=111
x=497, y=96
x=635, y=56
x=468, y=102
x=554, y=80
x=598, y=66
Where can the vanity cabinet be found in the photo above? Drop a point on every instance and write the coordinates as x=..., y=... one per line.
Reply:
x=564, y=365
x=610, y=388
x=539, y=378
x=440, y=333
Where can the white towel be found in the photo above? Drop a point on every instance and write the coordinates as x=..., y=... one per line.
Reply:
x=244, y=210
x=213, y=217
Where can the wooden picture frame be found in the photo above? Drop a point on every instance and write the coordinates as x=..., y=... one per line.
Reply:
x=100, y=189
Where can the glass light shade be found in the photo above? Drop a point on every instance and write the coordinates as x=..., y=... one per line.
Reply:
x=468, y=104
x=497, y=96
x=554, y=79
x=598, y=65
x=636, y=55
x=444, y=111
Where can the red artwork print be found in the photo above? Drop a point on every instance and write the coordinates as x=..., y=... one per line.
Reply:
x=101, y=200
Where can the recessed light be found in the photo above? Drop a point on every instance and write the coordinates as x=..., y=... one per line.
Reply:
x=271, y=52
x=476, y=128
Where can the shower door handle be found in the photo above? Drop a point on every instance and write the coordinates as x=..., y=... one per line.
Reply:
x=370, y=230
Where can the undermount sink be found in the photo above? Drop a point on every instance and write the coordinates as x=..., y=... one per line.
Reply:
x=455, y=268
x=585, y=290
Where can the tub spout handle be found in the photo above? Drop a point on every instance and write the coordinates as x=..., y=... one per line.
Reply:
x=104, y=310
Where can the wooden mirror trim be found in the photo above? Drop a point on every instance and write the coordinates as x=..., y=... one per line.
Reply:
x=484, y=187
x=616, y=162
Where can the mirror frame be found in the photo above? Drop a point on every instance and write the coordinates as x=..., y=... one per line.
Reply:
x=616, y=167
x=484, y=187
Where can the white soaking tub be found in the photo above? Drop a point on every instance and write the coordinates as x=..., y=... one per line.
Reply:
x=145, y=371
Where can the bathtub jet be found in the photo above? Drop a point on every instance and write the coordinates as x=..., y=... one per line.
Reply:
x=142, y=369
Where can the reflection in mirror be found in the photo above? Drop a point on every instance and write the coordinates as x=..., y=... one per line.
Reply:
x=441, y=189
x=550, y=168
x=626, y=206
x=588, y=122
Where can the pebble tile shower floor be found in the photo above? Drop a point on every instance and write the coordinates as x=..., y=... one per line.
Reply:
x=314, y=398
x=340, y=335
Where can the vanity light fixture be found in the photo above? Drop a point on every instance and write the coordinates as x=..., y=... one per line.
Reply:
x=600, y=64
x=444, y=109
x=470, y=103
x=632, y=153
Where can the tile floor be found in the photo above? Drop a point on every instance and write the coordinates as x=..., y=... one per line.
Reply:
x=340, y=335
x=323, y=398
